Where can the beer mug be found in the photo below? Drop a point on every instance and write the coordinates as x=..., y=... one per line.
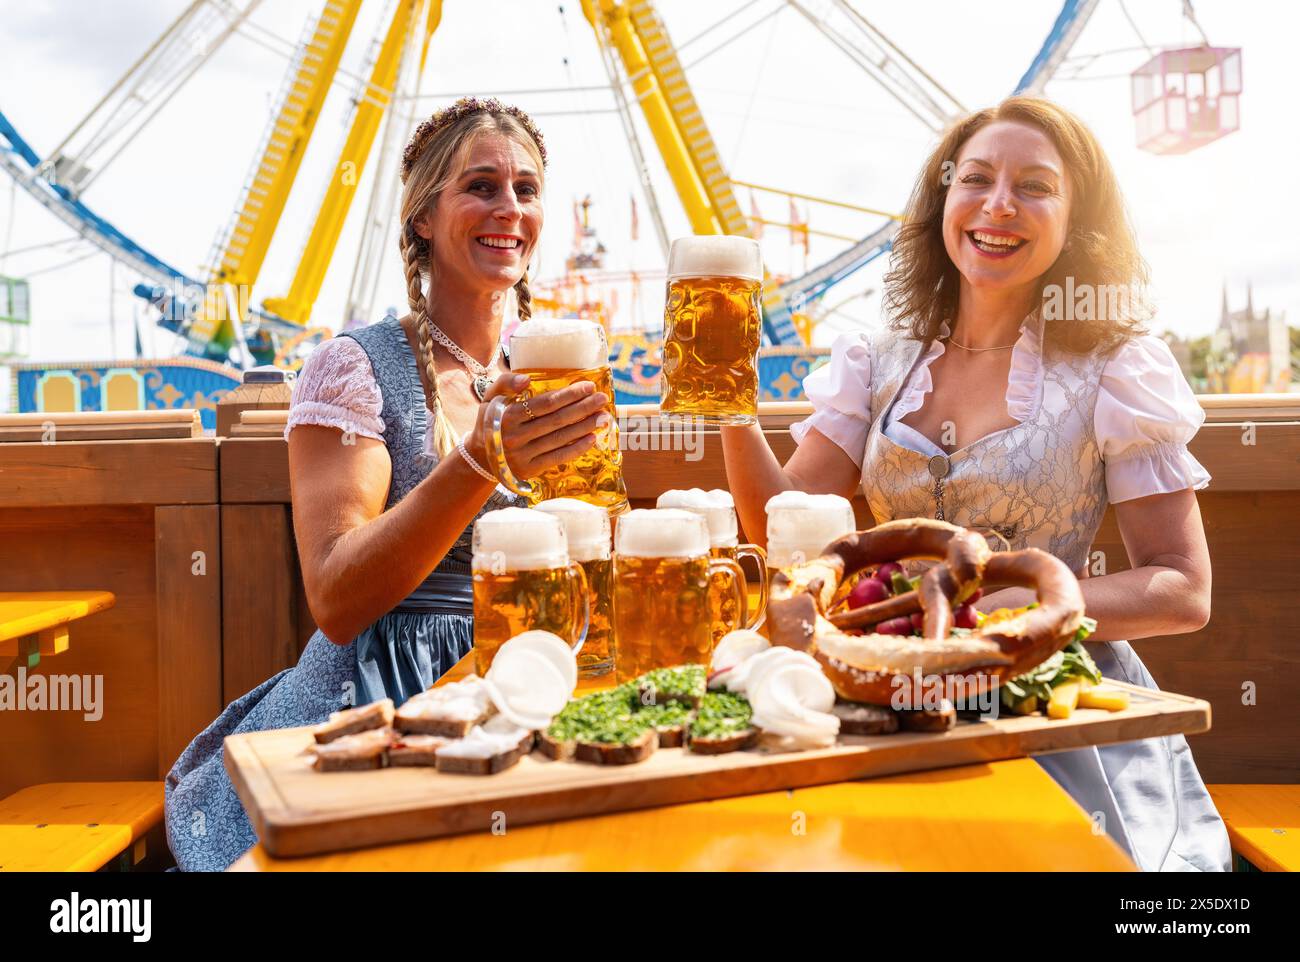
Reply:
x=554, y=353
x=587, y=529
x=662, y=578
x=800, y=525
x=523, y=579
x=712, y=327
x=719, y=512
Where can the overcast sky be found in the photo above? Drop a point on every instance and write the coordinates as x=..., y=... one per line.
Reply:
x=786, y=108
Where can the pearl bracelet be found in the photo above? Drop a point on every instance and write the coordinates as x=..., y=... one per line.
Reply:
x=478, y=468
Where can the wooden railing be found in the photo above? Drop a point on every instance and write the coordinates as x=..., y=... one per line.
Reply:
x=128, y=516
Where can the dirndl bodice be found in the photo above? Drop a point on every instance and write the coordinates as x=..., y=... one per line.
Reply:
x=1042, y=483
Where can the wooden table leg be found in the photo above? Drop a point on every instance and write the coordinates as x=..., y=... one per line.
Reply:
x=54, y=640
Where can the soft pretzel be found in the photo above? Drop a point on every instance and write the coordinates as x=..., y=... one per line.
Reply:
x=810, y=588
x=872, y=668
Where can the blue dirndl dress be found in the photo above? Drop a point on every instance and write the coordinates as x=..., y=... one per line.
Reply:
x=403, y=652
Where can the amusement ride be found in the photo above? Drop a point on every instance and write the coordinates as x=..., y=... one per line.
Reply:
x=1182, y=98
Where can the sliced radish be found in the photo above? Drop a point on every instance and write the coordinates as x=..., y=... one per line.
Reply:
x=736, y=646
x=526, y=688
x=550, y=646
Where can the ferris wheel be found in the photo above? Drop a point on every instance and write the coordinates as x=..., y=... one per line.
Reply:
x=211, y=305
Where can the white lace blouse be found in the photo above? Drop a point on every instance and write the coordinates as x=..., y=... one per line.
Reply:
x=1146, y=412
x=336, y=388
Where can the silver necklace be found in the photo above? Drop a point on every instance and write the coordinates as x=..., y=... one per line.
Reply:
x=480, y=373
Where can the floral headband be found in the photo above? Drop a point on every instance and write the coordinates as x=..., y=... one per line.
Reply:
x=463, y=108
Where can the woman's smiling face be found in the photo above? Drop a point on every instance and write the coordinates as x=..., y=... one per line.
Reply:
x=1007, y=211
x=484, y=227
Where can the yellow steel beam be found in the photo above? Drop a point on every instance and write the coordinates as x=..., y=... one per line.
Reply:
x=818, y=200
x=245, y=248
x=297, y=305
x=695, y=135
x=804, y=229
x=622, y=33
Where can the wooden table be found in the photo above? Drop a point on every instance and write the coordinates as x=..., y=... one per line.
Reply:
x=1003, y=816
x=1006, y=815
x=35, y=623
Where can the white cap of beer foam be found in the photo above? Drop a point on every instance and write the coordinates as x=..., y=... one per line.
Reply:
x=518, y=539
x=803, y=524
x=717, y=506
x=661, y=533
x=558, y=344
x=715, y=255
x=585, y=525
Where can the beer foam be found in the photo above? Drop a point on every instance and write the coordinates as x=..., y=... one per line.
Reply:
x=715, y=255
x=803, y=524
x=586, y=527
x=661, y=533
x=717, y=506
x=558, y=344
x=519, y=539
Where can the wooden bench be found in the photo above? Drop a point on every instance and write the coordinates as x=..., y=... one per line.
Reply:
x=78, y=826
x=1263, y=824
x=35, y=623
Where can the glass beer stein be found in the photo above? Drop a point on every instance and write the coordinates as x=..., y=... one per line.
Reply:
x=712, y=328
x=523, y=579
x=800, y=525
x=718, y=509
x=662, y=583
x=587, y=530
x=554, y=353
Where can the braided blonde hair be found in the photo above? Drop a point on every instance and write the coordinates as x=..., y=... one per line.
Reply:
x=425, y=176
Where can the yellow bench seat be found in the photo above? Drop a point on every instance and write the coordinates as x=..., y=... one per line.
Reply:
x=1263, y=823
x=77, y=826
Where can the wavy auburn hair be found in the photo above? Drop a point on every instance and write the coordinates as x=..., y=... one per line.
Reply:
x=922, y=284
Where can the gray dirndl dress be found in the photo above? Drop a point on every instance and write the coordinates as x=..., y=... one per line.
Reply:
x=403, y=652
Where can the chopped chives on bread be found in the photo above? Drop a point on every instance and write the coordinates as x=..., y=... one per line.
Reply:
x=722, y=724
x=681, y=683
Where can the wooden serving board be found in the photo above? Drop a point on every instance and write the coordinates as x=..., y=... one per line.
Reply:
x=299, y=811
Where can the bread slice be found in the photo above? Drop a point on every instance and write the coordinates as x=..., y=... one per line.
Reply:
x=350, y=721
x=721, y=744
x=628, y=751
x=671, y=736
x=557, y=749
x=722, y=724
x=484, y=752
x=415, y=750
x=353, y=753
x=669, y=719
x=683, y=683
x=450, y=711
x=919, y=720
x=858, y=719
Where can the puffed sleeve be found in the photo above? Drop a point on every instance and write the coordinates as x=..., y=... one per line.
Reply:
x=840, y=392
x=336, y=389
x=1146, y=414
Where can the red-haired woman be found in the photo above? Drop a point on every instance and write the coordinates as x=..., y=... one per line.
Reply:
x=1016, y=391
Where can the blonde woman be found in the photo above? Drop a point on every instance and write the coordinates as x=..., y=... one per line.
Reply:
x=386, y=452
x=996, y=401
